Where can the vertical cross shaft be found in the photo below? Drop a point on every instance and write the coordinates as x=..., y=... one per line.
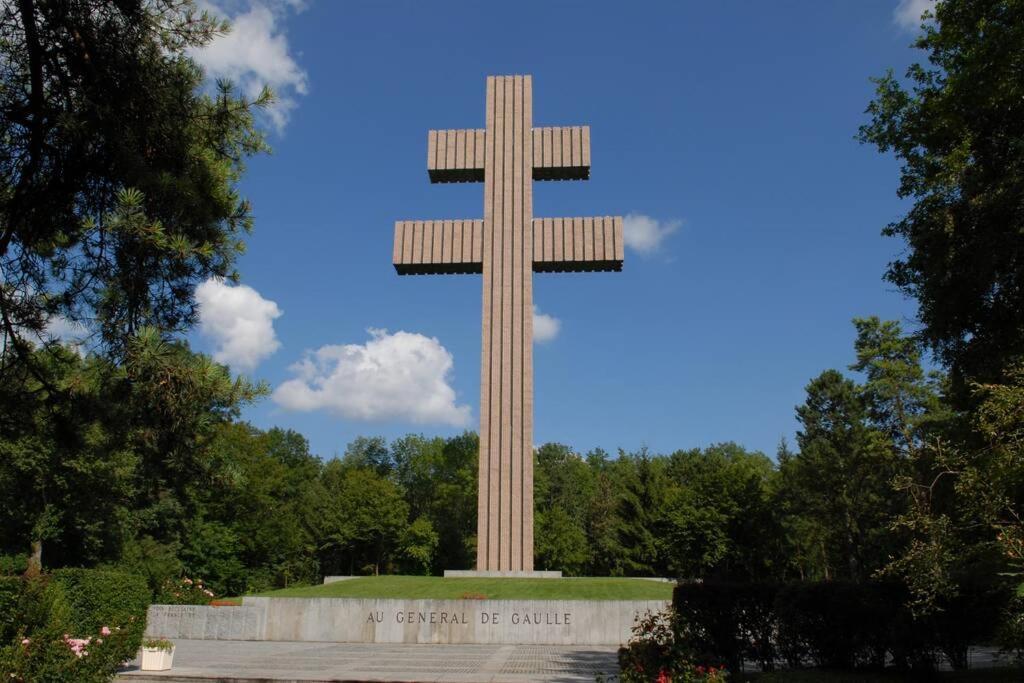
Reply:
x=506, y=247
x=505, y=505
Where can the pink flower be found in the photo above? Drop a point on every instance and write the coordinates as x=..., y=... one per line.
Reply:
x=105, y=631
x=77, y=645
x=187, y=580
x=99, y=640
x=25, y=641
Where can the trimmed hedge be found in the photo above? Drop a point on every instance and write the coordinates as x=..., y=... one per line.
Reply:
x=97, y=598
x=71, y=625
x=726, y=623
x=834, y=624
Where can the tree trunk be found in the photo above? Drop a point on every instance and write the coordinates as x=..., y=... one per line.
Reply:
x=35, y=560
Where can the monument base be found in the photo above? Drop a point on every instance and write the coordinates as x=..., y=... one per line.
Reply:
x=375, y=620
x=493, y=574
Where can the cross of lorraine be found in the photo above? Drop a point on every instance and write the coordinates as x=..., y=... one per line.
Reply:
x=506, y=247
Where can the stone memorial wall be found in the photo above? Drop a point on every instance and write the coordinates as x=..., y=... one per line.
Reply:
x=201, y=622
x=349, y=620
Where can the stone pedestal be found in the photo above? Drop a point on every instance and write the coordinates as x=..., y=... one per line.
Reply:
x=496, y=574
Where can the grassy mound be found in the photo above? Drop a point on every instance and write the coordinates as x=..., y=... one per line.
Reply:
x=438, y=588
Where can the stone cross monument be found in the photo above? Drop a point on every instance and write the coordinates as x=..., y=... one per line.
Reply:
x=506, y=247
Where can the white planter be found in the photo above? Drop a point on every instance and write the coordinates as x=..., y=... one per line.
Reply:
x=155, y=659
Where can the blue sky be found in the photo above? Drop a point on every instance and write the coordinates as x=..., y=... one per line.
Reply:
x=725, y=129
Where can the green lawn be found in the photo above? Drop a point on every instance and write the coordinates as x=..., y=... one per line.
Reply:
x=438, y=588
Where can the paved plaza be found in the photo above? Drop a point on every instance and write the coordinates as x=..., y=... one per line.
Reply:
x=238, y=661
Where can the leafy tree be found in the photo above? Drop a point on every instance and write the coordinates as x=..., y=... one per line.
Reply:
x=454, y=507
x=213, y=551
x=840, y=483
x=362, y=519
x=371, y=452
x=966, y=519
x=907, y=406
x=697, y=535
x=419, y=545
x=66, y=479
x=641, y=513
x=995, y=485
x=602, y=522
x=957, y=127
x=119, y=172
x=562, y=486
x=439, y=481
x=265, y=497
x=903, y=401
x=719, y=518
x=119, y=454
x=560, y=542
x=119, y=178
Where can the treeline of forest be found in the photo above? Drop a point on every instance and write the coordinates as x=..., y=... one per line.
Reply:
x=187, y=489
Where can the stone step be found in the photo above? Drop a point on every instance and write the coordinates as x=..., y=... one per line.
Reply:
x=199, y=661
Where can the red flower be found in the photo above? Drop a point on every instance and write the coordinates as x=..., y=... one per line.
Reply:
x=663, y=677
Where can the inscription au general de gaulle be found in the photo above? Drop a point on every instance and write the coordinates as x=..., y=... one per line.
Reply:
x=441, y=617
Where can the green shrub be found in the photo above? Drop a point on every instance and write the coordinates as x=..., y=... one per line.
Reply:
x=13, y=565
x=836, y=624
x=184, y=591
x=158, y=644
x=157, y=562
x=726, y=623
x=655, y=654
x=75, y=625
x=1010, y=635
x=972, y=615
x=98, y=598
x=10, y=590
x=833, y=624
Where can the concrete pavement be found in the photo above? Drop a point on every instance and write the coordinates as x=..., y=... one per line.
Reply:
x=197, y=661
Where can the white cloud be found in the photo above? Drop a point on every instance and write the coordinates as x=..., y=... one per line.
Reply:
x=256, y=53
x=645, y=234
x=239, y=320
x=400, y=376
x=68, y=332
x=59, y=328
x=545, y=327
x=907, y=14
x=65, y=329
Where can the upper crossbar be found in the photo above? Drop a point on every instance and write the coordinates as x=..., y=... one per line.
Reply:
x=559, y=153
x=456, y=156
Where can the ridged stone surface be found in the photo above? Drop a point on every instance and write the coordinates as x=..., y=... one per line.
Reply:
x=506, y=247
